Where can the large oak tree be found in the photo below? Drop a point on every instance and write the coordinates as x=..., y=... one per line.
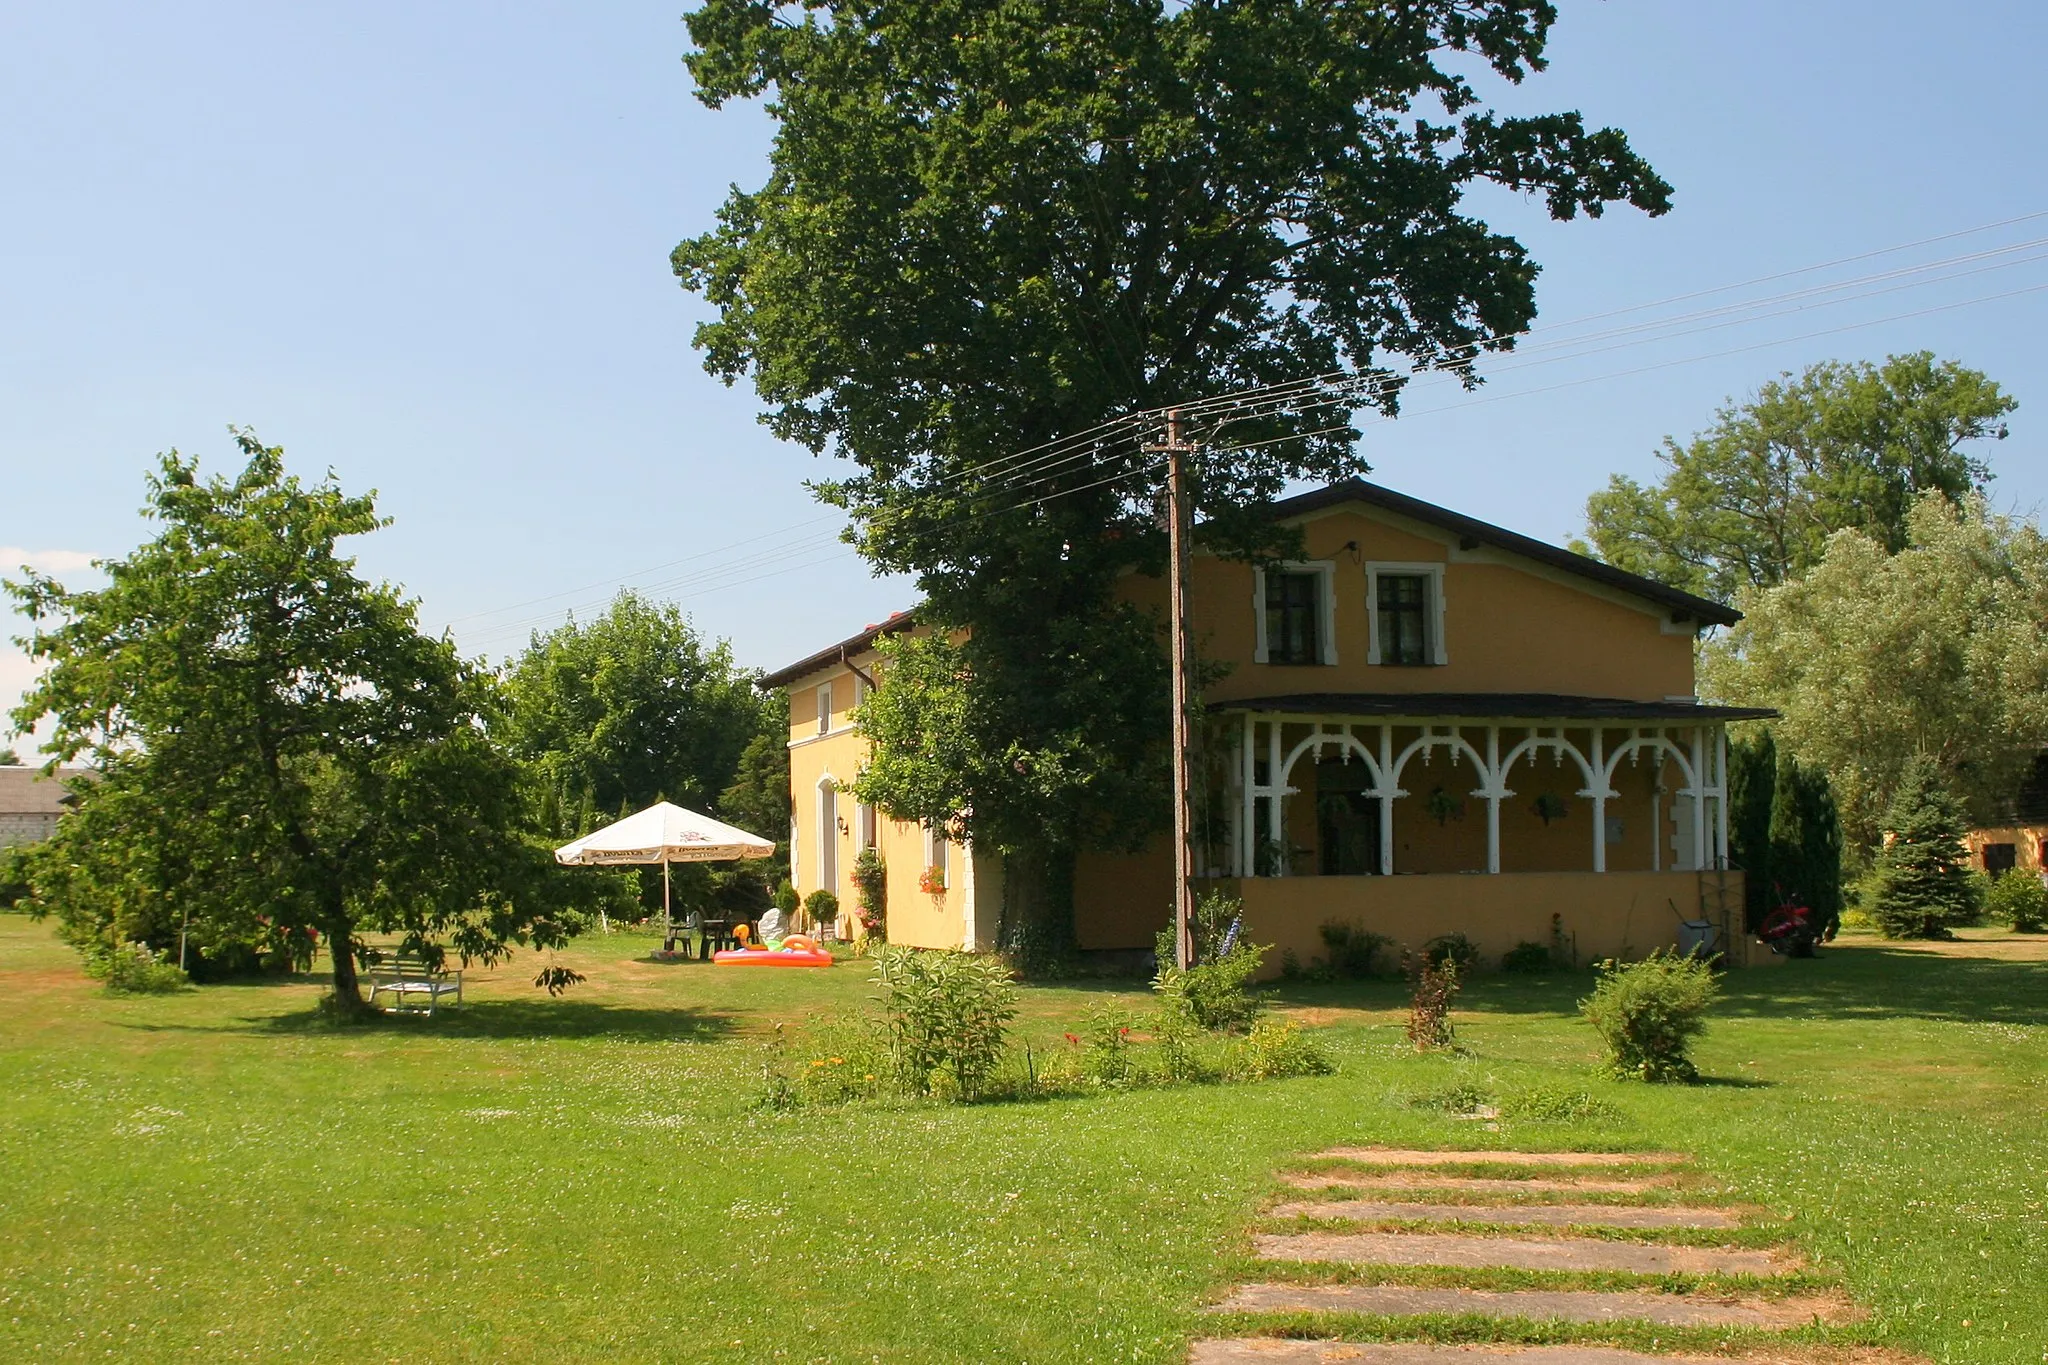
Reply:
x=992, y=223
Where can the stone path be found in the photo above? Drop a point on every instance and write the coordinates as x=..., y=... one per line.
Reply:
x=1536, y=1218
x=1552, y=1215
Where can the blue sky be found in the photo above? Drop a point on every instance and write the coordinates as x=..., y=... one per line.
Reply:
x=426, y=246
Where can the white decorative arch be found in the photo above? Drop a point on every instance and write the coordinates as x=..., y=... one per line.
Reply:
x=1348, y=743
x=1451, y=740
x=1654, y=742
x=1560, y=748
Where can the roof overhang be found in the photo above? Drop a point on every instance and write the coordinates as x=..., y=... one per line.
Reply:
x=1529, y=707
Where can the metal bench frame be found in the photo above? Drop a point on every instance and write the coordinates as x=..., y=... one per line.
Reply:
x=412, y=983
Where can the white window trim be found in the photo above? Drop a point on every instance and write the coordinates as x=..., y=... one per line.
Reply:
x=1435, y=574
x=1326, y=593
x=932, y=840
x=828, y=830
x=825, y=707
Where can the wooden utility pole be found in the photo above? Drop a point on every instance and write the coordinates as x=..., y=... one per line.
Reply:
x=1179, y=531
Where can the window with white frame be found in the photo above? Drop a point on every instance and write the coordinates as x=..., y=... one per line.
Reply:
x=1405, y=610
x=824, y=708
x=938, y=859
x=1294, y=614
x=868, y=825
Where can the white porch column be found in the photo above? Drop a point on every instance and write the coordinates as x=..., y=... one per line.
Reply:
x=1699, y=800
x=1276, y=794
x=1387, y=795
x=1721, y=797
x=1493, y=794
x=1247, y=834
x=1597, y=794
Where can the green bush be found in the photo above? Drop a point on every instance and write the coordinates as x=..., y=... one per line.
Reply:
x=822, y=907
x=948, y=1018
x=1452, y=947
x=1649, y=1012
x=871, y=881
x=2019, y=901
x=134, y=969
x=1215, y=992
x=1276, y=1048
x=1459, y=1097
x=786, y=899
x=1353, y=948
x=1526, y=957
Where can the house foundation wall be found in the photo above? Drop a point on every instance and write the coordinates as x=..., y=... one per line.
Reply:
x=1600, y=914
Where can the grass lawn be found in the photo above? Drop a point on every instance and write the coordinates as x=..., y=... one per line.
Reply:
x=214, y=1175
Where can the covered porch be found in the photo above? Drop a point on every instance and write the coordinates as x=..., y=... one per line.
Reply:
x=1603, y=820
x=1392, y=784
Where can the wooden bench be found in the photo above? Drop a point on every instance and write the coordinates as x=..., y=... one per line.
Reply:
x=413, y=984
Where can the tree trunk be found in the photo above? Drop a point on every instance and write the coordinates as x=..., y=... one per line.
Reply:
x=1038, y=906
x=347, y=1000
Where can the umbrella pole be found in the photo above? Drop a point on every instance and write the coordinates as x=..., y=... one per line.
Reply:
x=668, y=919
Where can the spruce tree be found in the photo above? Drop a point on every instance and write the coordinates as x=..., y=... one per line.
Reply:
x=1923, y=873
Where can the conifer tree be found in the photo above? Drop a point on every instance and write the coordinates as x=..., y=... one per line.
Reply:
x=1806, y=840
x=1752, y=783
x=1923, y=873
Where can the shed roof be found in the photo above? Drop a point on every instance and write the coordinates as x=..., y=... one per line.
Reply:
x=25, y=791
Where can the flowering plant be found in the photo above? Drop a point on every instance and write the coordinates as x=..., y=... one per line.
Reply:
x=932, y=881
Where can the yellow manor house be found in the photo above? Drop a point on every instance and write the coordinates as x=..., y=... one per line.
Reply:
x=1429, y=724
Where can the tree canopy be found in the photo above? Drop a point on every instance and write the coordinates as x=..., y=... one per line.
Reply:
x=1752, y=500
x=1873, y=658
x=987, y=226
x=631, y=708
x=282, y=753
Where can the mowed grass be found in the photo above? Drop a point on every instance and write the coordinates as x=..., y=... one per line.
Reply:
x=216, y=1175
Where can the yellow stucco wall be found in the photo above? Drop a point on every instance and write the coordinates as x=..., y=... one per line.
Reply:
x=1616, y=914
x=1508, y=626
x=2026, y=841
x=915, y=917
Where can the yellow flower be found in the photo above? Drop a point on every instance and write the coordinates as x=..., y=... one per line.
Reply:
x=819, y=1062
x=839, y=1061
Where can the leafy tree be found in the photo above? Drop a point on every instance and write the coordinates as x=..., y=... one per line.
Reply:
x=987, y=226
x=757, y=799
x=1924, y=885
x=283, y=754
x=1941, y=649
x=631, y=708
x=1752, y=787
x=1806, y=841
x=9, y=759
x=1751, y=501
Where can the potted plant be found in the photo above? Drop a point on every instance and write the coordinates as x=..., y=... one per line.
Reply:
x=871, y=881
x=823, y=909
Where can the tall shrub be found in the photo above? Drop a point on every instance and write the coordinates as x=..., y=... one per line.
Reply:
x=1923, y=882
x=2019, y=901
x=1805, y=857
x=1649, y=1012
x=1216, y=991
x=1752, y=785
x=948, y=1016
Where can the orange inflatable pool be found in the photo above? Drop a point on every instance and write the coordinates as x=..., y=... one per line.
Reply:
x=796, y=951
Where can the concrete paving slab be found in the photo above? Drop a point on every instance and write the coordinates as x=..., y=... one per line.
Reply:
x=1415, y=1180
x=1540, y=1305
x=1401, y=1156
x=1272, y=1351
x=1516, y=1253
x=1549, y=1215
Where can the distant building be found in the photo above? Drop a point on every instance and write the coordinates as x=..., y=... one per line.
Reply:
x=2020, y=839
x=30, y=802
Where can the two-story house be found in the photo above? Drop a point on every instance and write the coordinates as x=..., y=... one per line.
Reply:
x=1427, y=724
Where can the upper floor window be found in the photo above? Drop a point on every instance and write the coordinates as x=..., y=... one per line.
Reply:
x=1294, y=615
x=1406, y=603
x=824, y=708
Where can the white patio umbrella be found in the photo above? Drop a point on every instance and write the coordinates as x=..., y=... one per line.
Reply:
x=665, y=834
